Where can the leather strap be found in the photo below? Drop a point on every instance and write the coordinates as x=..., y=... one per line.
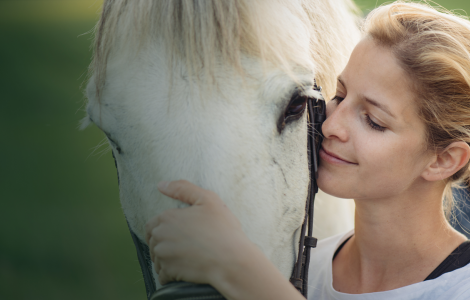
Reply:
x=296, y=282
x=143, y=255
x=145, y=262
x=316, y=109
x=187, y=291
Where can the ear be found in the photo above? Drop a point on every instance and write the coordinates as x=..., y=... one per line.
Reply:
x=448, y=162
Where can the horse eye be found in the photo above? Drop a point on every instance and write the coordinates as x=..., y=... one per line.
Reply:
x=293, y=111
x=296, y=107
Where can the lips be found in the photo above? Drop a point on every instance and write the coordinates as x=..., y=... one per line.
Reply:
x=333, y=158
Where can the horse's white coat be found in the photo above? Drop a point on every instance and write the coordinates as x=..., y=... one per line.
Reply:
x=169, y=126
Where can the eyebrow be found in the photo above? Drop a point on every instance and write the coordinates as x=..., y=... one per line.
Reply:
x=380, y=106
x=372, y=102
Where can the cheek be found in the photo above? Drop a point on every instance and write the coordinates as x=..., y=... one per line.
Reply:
x=384, y=168
x=379, y=159
x=393, y=166
x=337, y=182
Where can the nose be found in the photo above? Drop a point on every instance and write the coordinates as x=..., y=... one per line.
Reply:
x=335, y=125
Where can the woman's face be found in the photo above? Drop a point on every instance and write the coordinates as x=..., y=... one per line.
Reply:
x=374, y=144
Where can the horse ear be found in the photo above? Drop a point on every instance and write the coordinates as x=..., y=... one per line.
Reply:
x=448, y=162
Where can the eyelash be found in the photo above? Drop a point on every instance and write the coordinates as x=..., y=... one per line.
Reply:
x=369, y=121
x=337, y=98
x=374, y=125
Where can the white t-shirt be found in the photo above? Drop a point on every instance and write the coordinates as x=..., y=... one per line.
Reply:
x=454, y=285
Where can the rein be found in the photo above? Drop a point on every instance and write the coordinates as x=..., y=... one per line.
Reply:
x=316, y=109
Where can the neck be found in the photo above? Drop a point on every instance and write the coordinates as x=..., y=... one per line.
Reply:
x=403, y=222
x=398, y=241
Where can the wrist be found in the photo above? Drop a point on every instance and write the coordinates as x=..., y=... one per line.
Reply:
x=234, y=262
x=247, y=274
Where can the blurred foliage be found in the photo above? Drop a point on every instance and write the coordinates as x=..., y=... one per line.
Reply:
x=460, y=7
x=62, y=230
x=63, y=234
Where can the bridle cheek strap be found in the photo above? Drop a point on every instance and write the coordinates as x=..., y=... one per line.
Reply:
x=143, y=254
x=316, y=116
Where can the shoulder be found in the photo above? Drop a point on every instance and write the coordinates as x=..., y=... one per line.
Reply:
x=326, y=247
x=454, y=285
x=320, y=270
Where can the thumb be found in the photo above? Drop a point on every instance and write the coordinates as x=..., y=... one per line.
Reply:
x=184, y=191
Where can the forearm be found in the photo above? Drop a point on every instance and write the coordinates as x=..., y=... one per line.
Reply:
x=253, y=277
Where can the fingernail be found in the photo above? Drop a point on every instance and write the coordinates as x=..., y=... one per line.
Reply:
x=162, y=185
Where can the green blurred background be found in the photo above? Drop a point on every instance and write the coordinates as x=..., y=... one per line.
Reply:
x=62, y=233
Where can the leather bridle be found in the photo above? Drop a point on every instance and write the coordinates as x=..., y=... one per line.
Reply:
x=316, y=109
x=316, y=116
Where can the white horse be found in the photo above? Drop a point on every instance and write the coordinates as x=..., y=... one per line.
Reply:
x=203, y=91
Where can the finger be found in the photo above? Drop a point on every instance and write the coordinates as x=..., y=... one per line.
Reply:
x=167, y=216
x=154, y=222
x=152, y=244
x=160, y=235
x=155, y=242
x=157, y=265
x=163, y=277
x=184, y=191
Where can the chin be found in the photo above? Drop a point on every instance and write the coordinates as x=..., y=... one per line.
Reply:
x=333, y=186
x=336, y=192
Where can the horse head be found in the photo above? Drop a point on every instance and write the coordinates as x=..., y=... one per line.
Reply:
x=214, y=92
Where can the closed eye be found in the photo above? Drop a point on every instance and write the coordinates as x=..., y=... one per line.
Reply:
x=374, y=125
x=338, y=99
x=369, y=121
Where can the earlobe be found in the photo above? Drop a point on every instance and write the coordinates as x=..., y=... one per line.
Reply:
x=448, y=162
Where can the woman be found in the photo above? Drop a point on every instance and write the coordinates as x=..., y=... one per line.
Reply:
x=396, y=139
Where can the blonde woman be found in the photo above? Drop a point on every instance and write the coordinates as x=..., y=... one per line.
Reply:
x=396, y=138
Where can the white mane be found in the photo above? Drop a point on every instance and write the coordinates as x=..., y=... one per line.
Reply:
x=198, y=30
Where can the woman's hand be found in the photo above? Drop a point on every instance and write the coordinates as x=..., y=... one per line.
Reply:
x=204, y=243
x=197, y=243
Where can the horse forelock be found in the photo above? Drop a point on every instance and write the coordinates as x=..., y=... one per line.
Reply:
x=316, y=35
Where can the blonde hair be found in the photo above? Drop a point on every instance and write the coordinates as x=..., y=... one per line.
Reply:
x=433, y=47
x=203, y=33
